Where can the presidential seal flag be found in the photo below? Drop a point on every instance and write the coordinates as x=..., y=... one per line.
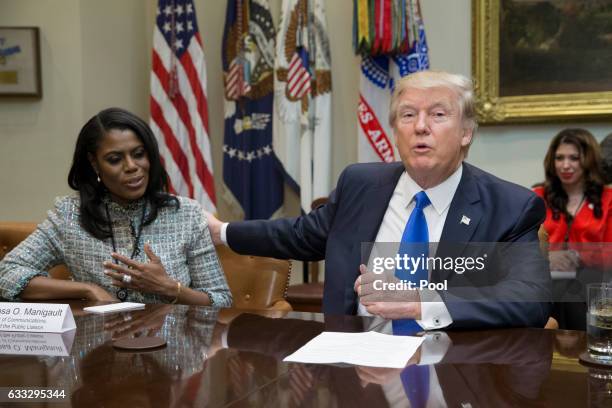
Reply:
x=251, y=172
x=302, y=84
x=179, y=110
x=380, y=71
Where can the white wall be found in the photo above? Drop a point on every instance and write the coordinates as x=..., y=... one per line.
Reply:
x=97, y=54
x=35, y=135
x=116, y=55
x=93, y=56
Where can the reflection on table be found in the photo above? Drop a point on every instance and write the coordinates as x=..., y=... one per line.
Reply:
x=215, y=358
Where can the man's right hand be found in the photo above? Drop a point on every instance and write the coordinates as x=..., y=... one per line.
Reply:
x=214, y=226
x=387, y=303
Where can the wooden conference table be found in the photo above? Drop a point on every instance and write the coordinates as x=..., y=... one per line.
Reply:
x=234, y=358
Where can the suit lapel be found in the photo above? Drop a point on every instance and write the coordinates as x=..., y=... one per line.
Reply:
x=372, y=207
x=374, y=204
x=463, y=217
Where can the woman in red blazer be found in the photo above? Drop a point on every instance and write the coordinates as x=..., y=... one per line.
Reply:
x=578, y=213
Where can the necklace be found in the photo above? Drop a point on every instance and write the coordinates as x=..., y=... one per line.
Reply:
x=122, y=293
x=570, y=219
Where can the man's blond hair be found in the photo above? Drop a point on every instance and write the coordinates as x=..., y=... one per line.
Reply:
x=461, y=85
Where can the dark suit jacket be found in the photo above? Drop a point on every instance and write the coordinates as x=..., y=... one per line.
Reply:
x=499, y=212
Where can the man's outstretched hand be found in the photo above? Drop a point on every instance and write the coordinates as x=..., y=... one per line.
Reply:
x=214, y=226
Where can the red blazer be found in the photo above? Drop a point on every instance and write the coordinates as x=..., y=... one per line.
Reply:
x=585, y=229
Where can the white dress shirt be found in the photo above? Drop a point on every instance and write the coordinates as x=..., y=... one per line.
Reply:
x=434, y=314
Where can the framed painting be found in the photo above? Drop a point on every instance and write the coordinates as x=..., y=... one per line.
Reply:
x=542, y=60
x=20, y=62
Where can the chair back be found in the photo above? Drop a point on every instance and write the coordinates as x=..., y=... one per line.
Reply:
x=12, y=233
x=543, y=237
x=256, y=282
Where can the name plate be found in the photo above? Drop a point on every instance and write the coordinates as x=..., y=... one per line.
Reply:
x=36, y=344
x=36, y=317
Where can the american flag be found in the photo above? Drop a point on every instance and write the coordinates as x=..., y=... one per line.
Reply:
x=298, y=76
x=235, y=83
x=179, y=109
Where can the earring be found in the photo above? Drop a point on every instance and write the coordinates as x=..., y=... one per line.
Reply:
x=98, y=178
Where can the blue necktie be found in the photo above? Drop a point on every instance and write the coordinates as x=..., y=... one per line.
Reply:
x=415, y=240
x=415, y=243
x=415, y=378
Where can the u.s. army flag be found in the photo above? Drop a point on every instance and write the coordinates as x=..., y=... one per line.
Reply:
x=378, y=77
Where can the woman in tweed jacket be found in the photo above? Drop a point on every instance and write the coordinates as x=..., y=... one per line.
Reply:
x=122, y=236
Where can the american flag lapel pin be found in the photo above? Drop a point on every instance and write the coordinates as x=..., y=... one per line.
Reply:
x=465, y=220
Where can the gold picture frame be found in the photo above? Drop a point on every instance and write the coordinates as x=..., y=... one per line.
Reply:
x=497, y=106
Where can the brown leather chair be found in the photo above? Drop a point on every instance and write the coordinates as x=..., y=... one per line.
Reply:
x=543, y=237
x=256, y=283
x=12, y=233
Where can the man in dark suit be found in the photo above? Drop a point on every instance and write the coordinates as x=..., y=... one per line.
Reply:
x=433, y=120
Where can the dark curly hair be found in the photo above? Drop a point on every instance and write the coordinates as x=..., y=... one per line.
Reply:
x=590, y=160
x=83, y=178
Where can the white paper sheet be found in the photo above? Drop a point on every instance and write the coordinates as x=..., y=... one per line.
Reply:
x=114, y=307
x=365, y=349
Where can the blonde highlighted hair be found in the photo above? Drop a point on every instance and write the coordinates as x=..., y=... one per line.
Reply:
x=459, y=84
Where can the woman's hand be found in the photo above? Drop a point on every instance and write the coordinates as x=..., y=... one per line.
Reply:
x=565, y=261
x=148, y=277
x=96, y=293
x=138, y=323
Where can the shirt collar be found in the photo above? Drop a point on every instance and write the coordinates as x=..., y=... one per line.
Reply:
x=130, y=210
x=440, y=195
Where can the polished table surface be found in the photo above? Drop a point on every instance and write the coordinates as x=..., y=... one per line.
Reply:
x=234, y=358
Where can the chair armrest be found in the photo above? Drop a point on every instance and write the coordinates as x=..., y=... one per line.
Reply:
x=281, y=305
